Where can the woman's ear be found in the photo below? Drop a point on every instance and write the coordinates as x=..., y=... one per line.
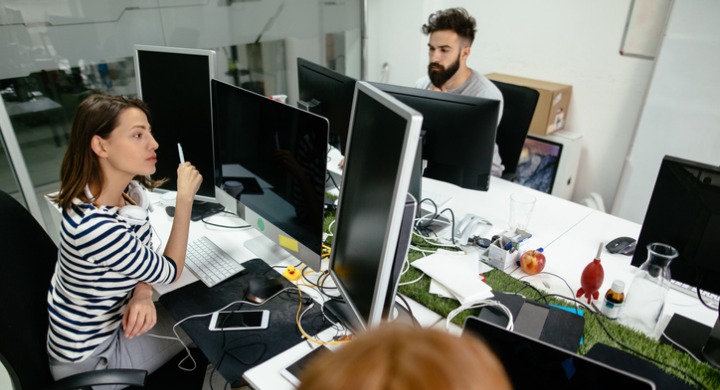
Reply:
x=97, y=144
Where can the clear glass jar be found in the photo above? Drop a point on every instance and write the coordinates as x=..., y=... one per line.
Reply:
x=645, y=299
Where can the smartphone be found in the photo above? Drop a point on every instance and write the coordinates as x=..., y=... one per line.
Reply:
x=292, y=372
x=240, y=320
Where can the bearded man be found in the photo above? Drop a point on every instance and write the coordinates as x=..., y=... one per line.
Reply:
x=451, y=33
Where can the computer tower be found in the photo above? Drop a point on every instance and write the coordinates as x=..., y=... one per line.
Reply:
x=549, y=163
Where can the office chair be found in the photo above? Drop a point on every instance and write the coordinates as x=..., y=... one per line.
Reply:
x=27, y=263
x=518, y=109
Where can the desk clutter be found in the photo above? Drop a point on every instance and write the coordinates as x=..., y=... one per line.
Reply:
x=604, y=339
x=232, y=353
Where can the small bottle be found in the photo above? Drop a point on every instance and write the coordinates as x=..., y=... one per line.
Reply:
x=614, y=298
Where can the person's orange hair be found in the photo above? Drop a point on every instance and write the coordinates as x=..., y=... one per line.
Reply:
x=399, y=357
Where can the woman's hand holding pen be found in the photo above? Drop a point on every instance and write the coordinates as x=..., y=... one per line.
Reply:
x=188, y=182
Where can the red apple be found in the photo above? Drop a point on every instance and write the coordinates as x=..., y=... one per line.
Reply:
x=532, y=261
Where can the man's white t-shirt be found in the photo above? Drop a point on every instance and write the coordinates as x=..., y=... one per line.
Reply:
x=476, y=85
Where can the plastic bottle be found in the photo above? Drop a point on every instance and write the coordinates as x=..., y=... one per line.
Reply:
x=614, y=299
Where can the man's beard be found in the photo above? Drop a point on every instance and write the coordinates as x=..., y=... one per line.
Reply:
x=439, y=75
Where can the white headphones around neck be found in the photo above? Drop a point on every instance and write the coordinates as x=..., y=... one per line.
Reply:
x=135, y=214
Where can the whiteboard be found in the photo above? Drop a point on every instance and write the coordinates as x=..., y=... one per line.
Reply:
x=645, y=27
x=680, y=115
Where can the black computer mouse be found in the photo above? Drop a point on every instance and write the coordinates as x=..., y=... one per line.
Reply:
x=622, y=245
x=261, y=288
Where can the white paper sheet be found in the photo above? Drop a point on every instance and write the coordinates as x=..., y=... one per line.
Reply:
x=458, y=273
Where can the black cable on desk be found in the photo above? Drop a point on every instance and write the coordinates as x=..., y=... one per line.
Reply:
x=423, y=223
x=698, y=282
x=572, y=293
x=409, y=309
x=333, y=181
x=528, y=285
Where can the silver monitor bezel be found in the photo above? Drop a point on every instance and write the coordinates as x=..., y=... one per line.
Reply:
x=402, y=182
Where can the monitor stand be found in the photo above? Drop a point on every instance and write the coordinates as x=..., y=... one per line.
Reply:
x=202, y=209
x=699, y=340
x=711, y=349
x=267, y=250
x=345, y=315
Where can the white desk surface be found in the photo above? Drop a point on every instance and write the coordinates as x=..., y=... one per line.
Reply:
x=569, y=233
x=551, y=218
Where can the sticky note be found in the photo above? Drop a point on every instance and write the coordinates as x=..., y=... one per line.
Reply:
x=288, y=243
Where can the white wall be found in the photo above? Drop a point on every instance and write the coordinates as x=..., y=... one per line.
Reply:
x=681, y=115
x=566, y=41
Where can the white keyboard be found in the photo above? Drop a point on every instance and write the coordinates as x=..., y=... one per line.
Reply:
x=209, y=262
x=708, y=297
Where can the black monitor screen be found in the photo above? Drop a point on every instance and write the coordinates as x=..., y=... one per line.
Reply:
x=684, y=212
x=327, y=93
x=459, y=135
x=378, y=166
x=534, y=364
x=278, y=153
x=175, y=83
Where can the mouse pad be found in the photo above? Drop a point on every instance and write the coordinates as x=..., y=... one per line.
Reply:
x=234, y=352
x=550, y=324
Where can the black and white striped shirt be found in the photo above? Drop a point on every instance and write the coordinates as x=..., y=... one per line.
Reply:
x=101, y=259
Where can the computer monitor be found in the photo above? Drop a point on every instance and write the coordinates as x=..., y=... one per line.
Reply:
x=175, y=83
x=538, y=164
x=534, y=364
x=460, y=134
x=684, y=212
x=382, y=144
x=327, y=93
x=271, y=156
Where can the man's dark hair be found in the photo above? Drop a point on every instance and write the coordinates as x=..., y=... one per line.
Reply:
x=455, y=19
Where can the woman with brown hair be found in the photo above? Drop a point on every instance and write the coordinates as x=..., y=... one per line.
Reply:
x=100, y=298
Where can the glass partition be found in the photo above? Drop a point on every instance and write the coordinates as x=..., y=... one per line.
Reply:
x=56, y=52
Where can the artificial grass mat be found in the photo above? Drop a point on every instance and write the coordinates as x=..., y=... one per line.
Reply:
x=676, y=363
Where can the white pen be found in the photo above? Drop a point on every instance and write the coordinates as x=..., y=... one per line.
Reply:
x=180, y=152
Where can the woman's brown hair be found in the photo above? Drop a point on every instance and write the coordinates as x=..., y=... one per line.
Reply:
x=96, y=115
x=399, y=357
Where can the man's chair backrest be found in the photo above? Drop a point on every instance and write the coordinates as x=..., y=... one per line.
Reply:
x=518, y=109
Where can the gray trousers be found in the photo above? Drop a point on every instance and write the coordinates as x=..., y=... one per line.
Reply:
x=142, y=352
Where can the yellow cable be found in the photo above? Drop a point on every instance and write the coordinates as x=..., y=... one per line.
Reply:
x=302, y=331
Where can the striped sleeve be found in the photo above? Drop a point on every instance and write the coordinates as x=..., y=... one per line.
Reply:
x=100, y=261
x=107, y=242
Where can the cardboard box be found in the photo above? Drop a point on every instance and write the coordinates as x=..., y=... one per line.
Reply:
x=553, y=102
